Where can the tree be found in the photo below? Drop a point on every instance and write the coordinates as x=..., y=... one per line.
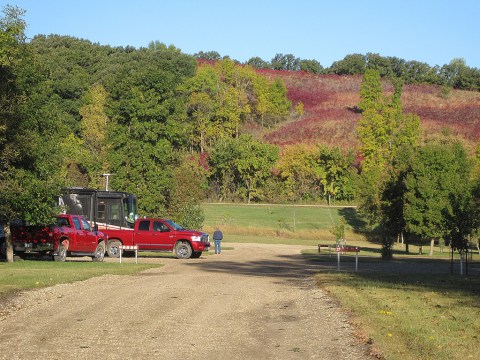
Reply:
x=285, y=62
x=370, y=91
x=208, y=55
x=299, y=171
x=436, y=199
x=382, y=131
x=30, y=131
x=336, y=179
x=146, y=124
x=258, y=63
x=93, y=125
x=188, y=191
x=383, y=127
x=311, y=66
x=353, y=64
x=242, y=165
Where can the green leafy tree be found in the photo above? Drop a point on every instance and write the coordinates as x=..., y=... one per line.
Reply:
x=208, y=55
x=189, y=188
x=371, y=91
x=29, y=131
x=242, y=166
x=311, y=66
x=258, y=63
x=336, y=175
x=146, y=124
x=93, y=125
x=383, y=127
x=285, y=62
x=300, y=172
x=352, y=64
x=435, y=199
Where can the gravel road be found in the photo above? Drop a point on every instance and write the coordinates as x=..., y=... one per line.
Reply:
x=252, y=302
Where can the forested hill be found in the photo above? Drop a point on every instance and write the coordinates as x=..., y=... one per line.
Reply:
x=330, y=113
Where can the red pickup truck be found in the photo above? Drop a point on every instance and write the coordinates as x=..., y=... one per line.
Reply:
x=158, y=235
x=71, y=235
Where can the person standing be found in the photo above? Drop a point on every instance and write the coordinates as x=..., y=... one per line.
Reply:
x=217, y=239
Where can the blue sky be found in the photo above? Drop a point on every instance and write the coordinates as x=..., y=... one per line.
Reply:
x=431, y=31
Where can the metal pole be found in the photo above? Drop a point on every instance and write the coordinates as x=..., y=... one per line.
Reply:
x=106, y=181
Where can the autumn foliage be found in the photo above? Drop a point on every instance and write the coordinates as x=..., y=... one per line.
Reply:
x=331, y=115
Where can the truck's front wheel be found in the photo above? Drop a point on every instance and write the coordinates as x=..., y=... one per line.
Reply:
x=113, y=248
x=99, y=252
x=183, y=250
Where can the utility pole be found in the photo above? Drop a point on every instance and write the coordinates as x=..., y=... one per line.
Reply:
x=106, y=182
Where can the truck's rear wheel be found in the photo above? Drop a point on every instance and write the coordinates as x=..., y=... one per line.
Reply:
x=183, y=250
x=99, y=252
x=113, y=248
x=61, y=253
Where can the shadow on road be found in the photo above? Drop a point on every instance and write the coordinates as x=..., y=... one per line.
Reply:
x=296, y=267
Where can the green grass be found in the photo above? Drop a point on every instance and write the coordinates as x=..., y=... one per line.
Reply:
x=25, y=275
x=412, y=316
x=281, y=221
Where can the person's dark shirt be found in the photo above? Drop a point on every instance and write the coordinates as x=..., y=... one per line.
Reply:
x=217, y=235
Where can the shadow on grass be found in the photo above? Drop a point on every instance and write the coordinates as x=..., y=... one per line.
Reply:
x=353, y=219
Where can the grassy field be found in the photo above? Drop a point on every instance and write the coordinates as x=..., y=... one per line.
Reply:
x=282, y=221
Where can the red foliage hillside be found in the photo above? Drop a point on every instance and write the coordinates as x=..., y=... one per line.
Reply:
x=330, y=118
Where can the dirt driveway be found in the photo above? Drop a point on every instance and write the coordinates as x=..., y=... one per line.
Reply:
x=252, y=302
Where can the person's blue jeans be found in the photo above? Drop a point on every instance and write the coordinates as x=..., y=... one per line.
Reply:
x=217, y=246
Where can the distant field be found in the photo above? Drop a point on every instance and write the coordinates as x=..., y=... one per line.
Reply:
x=285, y=221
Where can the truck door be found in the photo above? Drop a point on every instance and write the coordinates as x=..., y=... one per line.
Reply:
x=162, y=236
x=152, y=235
x=90, y=243
x=143, y=235
x=78, y=238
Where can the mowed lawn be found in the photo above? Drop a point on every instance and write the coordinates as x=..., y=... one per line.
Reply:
x=281, y=221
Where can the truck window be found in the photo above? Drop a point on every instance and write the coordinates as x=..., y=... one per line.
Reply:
x=62, y=222
x=160, y=227
x=85, y=224
x=101, y=211
x=144, y=225
x=76, y=222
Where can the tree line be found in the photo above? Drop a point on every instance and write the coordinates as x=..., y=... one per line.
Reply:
x=455, y=75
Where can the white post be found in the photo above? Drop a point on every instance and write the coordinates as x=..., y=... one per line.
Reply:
x=356, y=261
x=338, y=260
x=120, y=249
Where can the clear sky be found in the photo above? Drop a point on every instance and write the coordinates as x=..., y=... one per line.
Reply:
x=431, y=31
